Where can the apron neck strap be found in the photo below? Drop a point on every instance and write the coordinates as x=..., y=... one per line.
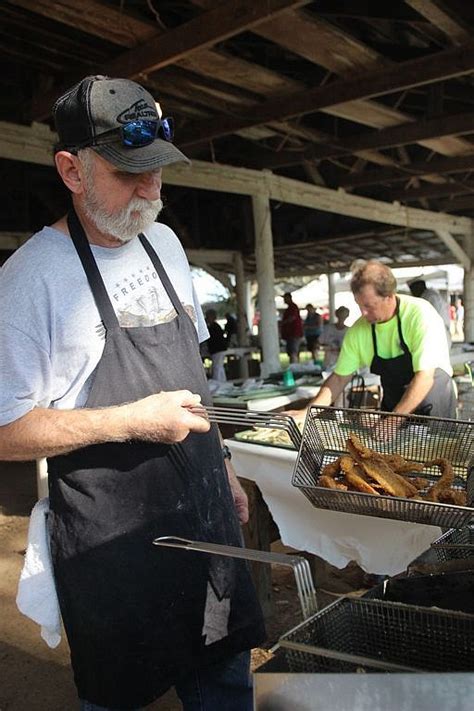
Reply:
x=400, y=334
x=160, y=270
x=91, y=269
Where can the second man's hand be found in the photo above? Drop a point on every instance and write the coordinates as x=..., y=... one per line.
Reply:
x=165, y=417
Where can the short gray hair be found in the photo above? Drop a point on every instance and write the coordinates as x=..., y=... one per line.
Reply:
x=374, y=274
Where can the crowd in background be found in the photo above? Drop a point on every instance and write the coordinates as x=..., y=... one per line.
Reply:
x=310, y=329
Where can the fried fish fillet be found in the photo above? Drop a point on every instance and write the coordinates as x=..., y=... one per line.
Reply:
x=355, y=478
x=377, y=466
x=379, y=471
x=444, y=482
x=332, y=469
x=400, y=465
x=329, y=483
x=452, y=496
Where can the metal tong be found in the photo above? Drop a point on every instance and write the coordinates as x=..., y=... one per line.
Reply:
x=301, y=569
x=235, y=416
x=305, y=588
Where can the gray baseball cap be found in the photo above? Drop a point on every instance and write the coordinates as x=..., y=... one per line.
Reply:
x=91, y=114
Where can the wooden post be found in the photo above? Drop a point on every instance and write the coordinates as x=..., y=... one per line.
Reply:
x=240, y=283
x=469, y=290
x=268, y=331
x=331, y=297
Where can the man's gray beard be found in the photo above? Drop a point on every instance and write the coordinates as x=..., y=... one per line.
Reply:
x=124, y=226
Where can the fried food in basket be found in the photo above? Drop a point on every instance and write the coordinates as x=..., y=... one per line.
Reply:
x=354, y=475
x=332, y=469
x=330, y=483
x=370, y=472
x=444, y=482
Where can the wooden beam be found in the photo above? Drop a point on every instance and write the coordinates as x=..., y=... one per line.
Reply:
x=10, y=240
x=431, y=191
x=93, y=17
x=443, y=18
x=454, y=247
x=459, y=204
x=243, y=181
x=216, y=25
x=417, y=72
x=451, y=125
x=456, y=164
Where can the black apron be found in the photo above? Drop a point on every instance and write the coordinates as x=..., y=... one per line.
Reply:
x=396, y=373
x=133, y=612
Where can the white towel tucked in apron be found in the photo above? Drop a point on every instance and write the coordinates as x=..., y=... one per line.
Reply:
x=36, y=597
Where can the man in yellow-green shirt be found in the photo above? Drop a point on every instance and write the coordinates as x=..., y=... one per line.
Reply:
x=402, y=339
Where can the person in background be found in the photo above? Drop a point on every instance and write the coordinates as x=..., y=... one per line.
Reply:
x=312, y=329
x=230, y=331
x=402, y=339
x=419, y=289
x=100, y=373
x=332, y=337
x=459, y=323
x=216, y=346
x=291, y=328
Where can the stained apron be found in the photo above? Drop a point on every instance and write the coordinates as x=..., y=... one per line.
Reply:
x=133, y=612
x=396, y=373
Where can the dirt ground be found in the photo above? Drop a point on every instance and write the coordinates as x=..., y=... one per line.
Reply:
x=36, y=678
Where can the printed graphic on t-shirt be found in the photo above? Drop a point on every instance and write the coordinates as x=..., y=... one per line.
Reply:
x=140, y=300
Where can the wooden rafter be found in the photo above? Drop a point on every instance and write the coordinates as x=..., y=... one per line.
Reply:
x=407, y=74
x=443, y=18
x=457, y=125
x=220, y=23
x=431, y=191
x=456, y=164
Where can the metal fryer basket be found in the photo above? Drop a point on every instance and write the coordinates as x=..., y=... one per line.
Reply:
x=418, y=438
x=378, y=634
x=455, y=544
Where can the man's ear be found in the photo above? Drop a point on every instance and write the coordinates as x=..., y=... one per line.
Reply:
x=70, y=169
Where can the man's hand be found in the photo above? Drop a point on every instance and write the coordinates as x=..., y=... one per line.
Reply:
x=299, y=416
x=166, y=417
x=387, y=428
x=241, y=502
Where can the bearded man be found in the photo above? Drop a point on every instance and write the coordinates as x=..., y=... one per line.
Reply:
x=100, y=371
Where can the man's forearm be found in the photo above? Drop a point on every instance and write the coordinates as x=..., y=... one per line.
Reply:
x=331, y=389
x=45, y=433
x=164, y=417
x=417, y=390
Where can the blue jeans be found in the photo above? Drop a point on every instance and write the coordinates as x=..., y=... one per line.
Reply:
x=227, y=685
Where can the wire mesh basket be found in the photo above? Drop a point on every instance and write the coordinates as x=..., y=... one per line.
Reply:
x=359, y=635
x=416, y=438
x=456, y=544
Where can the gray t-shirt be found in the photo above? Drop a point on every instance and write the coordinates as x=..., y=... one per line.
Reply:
x=440, y=304
x=51, y=335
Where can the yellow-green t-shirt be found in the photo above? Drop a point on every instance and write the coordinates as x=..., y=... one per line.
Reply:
x=423, y=332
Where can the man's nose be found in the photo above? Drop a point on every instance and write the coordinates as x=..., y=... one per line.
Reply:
x=149, y=186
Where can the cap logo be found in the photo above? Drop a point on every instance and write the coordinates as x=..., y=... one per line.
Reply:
x=139, y=110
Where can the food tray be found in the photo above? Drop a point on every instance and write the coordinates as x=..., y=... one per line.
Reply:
x=460, y=542
x=255, y=437
x=390, y=633
x=417, y=438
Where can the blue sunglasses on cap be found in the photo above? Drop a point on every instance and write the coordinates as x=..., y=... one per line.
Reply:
x=136, y=134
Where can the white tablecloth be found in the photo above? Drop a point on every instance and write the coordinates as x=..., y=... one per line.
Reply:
x=379, y=546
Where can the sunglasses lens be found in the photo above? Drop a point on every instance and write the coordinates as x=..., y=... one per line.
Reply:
x=166, y=129
x=138, y=133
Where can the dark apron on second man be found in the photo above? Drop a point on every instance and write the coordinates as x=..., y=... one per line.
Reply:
x=133, y=612
x=396, y=373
